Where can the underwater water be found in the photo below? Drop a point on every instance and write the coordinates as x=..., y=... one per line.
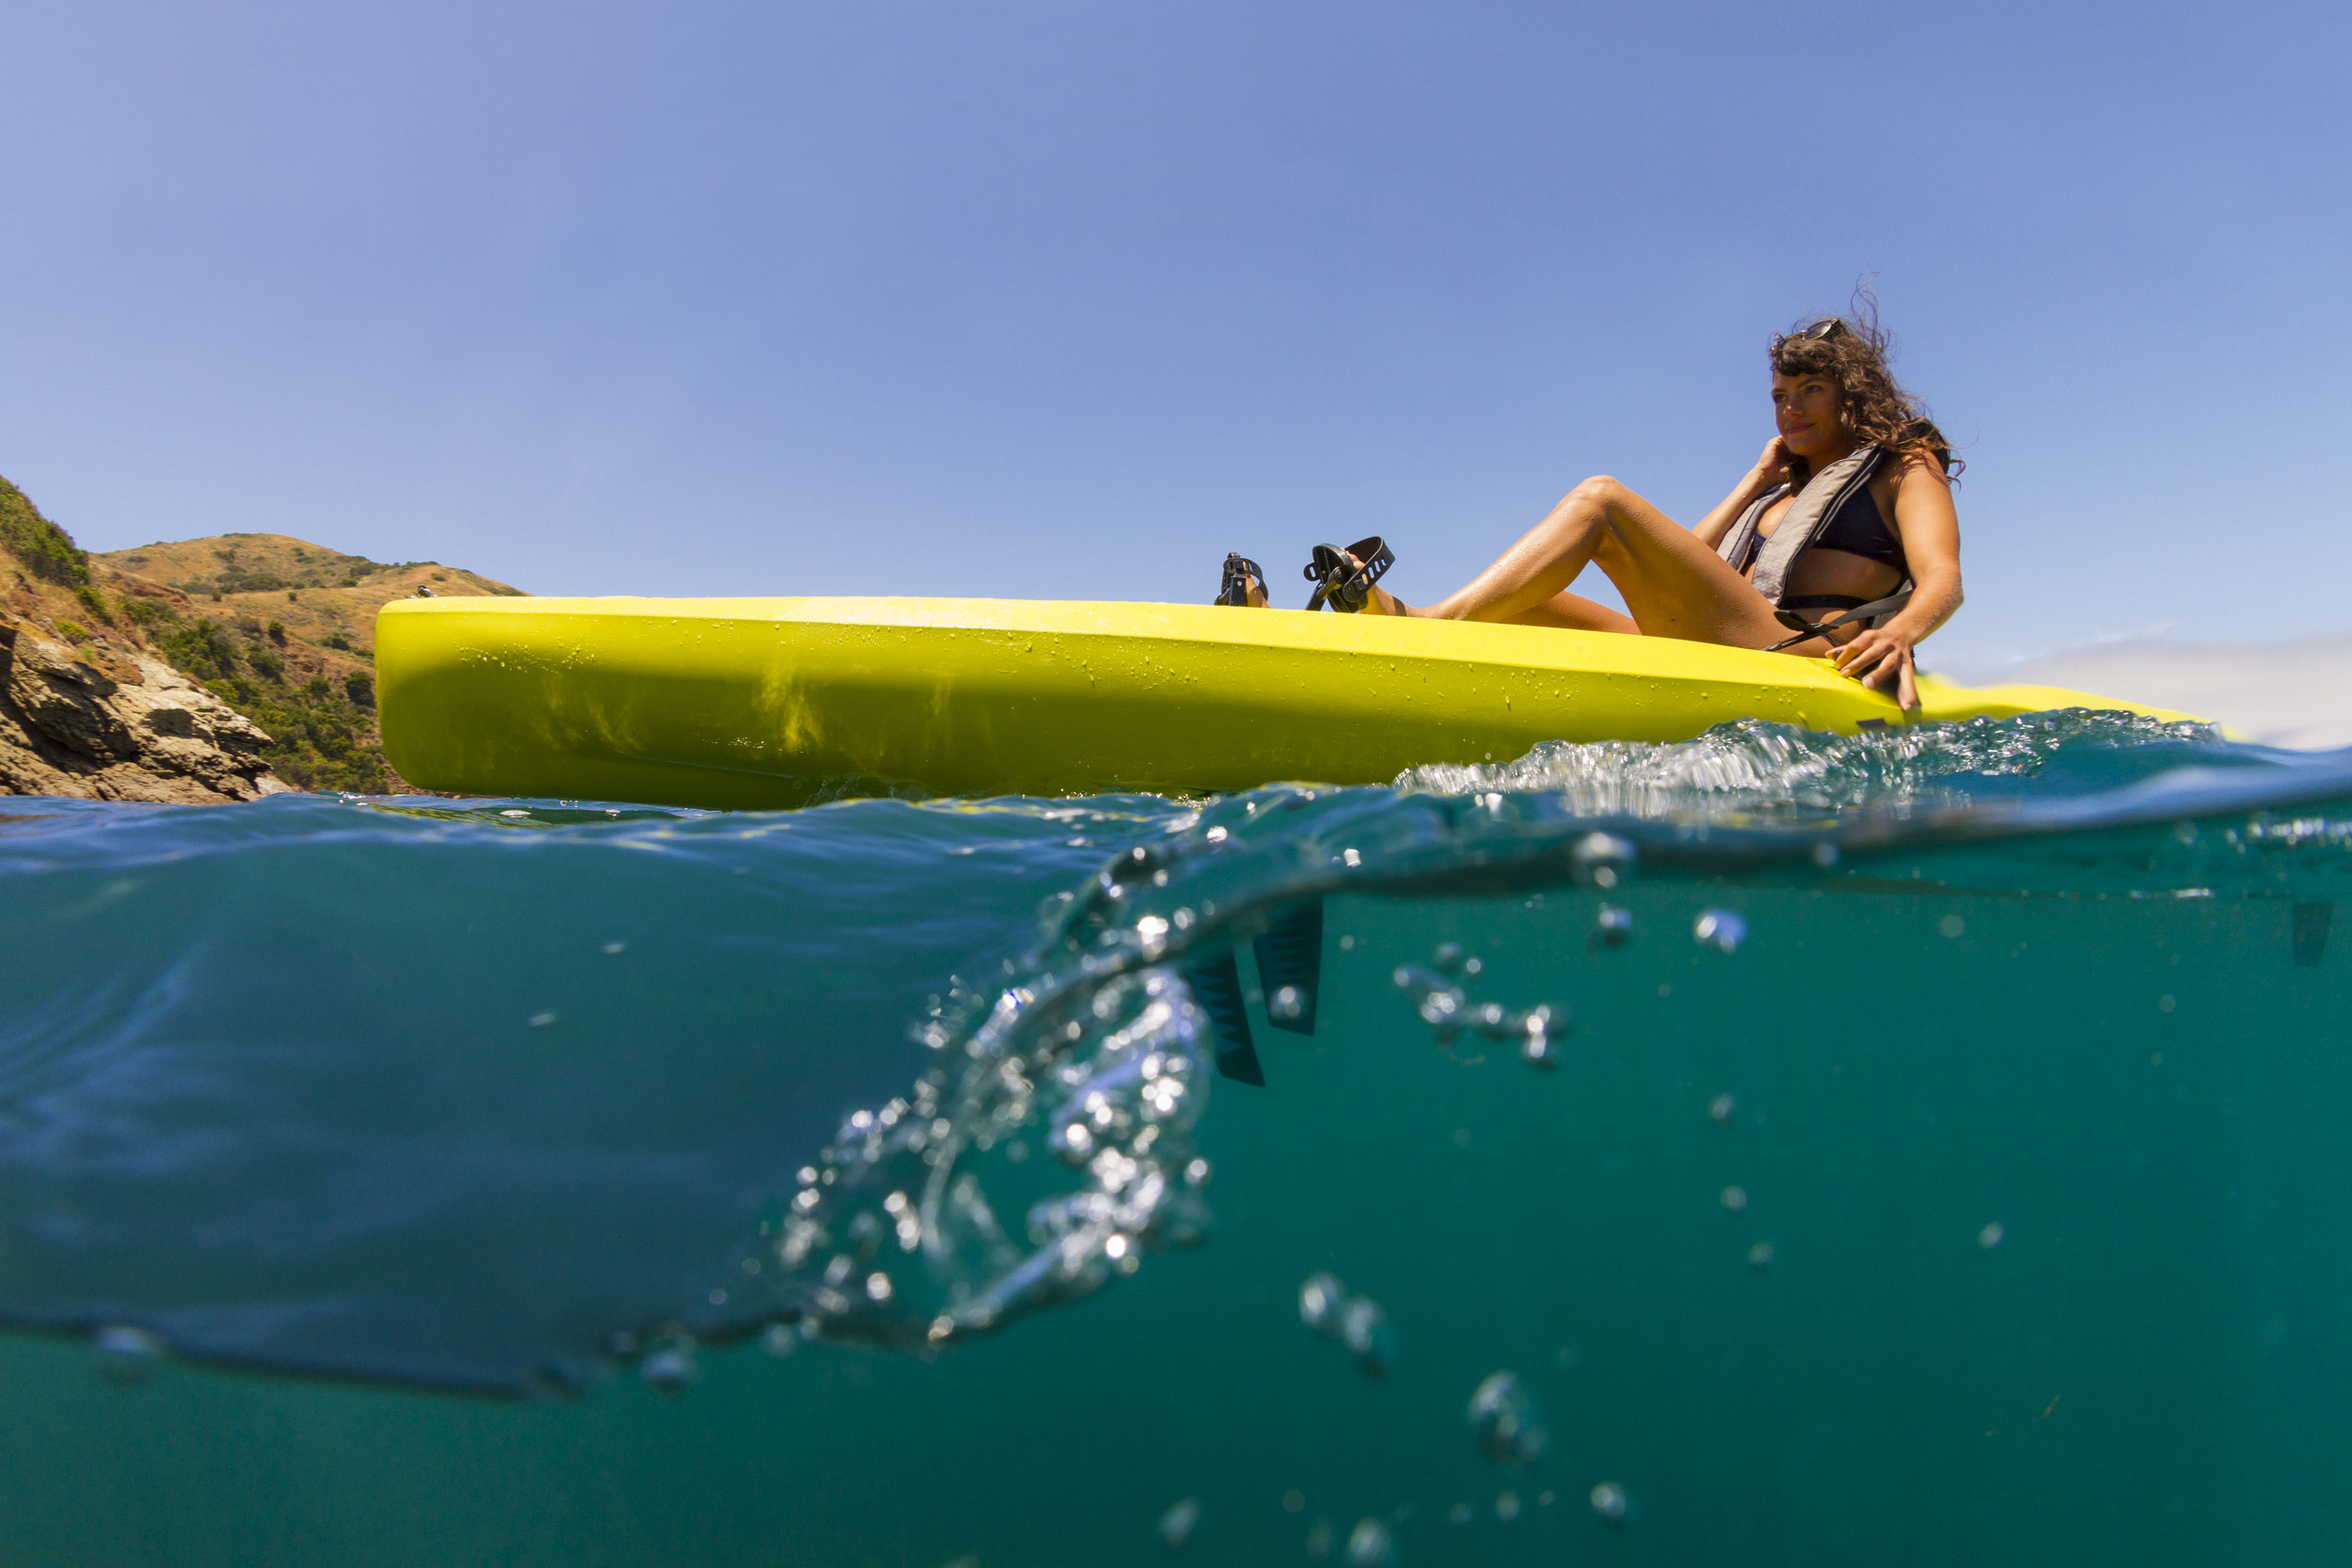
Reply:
x=1927, y=1147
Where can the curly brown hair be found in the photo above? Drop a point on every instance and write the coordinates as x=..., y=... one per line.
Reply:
x=1850, y=352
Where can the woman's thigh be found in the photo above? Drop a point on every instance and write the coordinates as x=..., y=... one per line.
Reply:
x=1674, y=584
x=1575, y=613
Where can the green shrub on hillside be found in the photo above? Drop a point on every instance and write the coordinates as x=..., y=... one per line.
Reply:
x=204, y=650
x=46, y=550
x=319, y=736
x=151, y=615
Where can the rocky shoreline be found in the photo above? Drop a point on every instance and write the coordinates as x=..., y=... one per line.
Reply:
x=109, y=723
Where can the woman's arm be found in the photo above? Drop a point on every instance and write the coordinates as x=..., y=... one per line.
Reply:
x=1771, y=470
x=1928, y=529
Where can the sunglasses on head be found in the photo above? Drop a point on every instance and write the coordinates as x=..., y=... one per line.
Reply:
x=1822, y=332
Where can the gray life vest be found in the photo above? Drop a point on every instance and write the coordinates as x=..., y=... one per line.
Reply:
x=1776, y=558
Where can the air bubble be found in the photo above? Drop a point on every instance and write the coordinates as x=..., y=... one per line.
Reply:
x=1320, y=1300
x=1460, y=1515
x=1371, y=1544
x=1287, y=1003
x=1598, y=858
x=1506, y=1422
x=1951, y=925
x=1613, y=927
x=1448, y=957
x=1720, y=930
x=126, y=1354
x=614, y=949
x=1319, y=1541
x=1990, y=1237
x=541, y=1021
x=1735, y=1199
x=1294, y=1501
x=1176, y=1525
x=1506, y=1506
x=671, y=1370
x=1761, y=1254
x=780, y=1339
x=1364, y=1330
x=1537, y=1046
x=1722, y=1108
x=1611, y=1503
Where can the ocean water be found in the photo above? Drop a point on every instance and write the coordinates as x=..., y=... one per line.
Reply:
x=1932, y=1146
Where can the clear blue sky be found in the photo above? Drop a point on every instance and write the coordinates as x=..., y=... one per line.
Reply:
x=1067, y=300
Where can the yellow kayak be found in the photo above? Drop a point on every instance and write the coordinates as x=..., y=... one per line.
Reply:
x=756, y=702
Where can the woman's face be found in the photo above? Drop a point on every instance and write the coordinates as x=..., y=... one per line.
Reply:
x=1811, y=421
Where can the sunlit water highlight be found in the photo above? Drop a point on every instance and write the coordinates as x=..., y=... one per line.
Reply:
x=1782, y=1147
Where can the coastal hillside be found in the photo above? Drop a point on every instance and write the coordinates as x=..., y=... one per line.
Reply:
x=284, y=630
x=253, y=652
x=92, y=706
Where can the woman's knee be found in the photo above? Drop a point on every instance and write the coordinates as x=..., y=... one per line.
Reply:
x=1599, y=493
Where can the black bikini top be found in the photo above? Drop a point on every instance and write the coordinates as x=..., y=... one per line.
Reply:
x=1858, y=527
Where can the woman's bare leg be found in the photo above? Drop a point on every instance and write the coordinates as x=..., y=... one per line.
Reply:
x=1674, y=585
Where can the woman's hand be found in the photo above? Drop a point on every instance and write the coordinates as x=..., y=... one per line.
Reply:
x=1880, y=658
x=1772, y=467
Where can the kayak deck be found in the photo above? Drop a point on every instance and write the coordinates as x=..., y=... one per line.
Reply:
x=773, y=701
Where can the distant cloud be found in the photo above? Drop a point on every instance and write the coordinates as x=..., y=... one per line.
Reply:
x=2297, y=693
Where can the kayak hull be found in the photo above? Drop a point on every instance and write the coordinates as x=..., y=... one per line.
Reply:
x=748, y=702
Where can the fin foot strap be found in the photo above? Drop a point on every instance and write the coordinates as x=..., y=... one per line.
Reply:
x=1240, y=571
x=1344, y=584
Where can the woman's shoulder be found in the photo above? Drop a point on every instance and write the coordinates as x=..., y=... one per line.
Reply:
x=1903, y=467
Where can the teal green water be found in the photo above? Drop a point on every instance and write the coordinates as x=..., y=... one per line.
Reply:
x=1986, y=1202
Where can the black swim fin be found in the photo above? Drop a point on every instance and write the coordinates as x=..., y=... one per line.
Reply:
x=1290, y=958
x=1216, y=986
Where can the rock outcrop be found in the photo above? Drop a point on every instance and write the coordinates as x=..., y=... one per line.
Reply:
x=118, y=724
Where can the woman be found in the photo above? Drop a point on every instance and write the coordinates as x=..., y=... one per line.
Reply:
x=1856, y=464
